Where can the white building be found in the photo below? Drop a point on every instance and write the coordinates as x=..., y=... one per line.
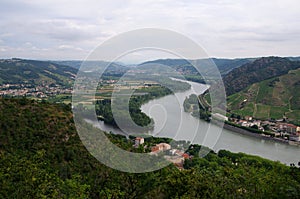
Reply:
x=138, y=141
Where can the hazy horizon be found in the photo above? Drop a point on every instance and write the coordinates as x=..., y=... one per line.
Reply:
x=140, y=62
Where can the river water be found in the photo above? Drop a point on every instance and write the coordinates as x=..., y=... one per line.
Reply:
x=171, y=121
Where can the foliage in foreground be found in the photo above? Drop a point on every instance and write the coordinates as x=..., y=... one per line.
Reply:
x=41, y=156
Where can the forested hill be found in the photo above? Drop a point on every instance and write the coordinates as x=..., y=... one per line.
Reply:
x=185, y=66
x=41, y=156
x=259, y=70
x=17, y=71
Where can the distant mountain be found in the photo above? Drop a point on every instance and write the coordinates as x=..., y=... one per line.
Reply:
x=185, y=66
x=259, y=70
x=18, y=71
x=276, y=98
x=36, y=72
x=73, y=63
x=113, y=69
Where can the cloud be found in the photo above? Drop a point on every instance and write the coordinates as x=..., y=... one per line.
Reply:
x=225, y=28
x=66, y=30
x=69, y=47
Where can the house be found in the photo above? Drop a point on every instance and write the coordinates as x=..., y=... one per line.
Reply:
x=155, y=149
x=256, y=122
x=186, y=156
x=161, y=147
x=244, y=123
x=179, y=152
x=138, y=141
x=295, y=136
x=248, y=118
x=291, y=128
x=219, y=116
x=173, y=151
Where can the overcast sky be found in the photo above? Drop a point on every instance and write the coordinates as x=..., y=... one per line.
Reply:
x=61, y=29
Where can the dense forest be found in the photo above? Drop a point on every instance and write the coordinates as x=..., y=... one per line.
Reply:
x=43, y=157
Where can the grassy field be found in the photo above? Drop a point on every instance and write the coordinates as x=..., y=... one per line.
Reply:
x=273, y=98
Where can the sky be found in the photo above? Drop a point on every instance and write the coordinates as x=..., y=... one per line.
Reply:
x=71, y=29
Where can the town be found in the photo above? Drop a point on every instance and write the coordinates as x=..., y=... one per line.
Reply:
x=41, y=91
x=270, y=128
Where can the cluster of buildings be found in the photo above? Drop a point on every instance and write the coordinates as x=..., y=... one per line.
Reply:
x=287, y=130
x=29, y=90
x=176, y=156
x=249, y=122
x=278, y=128
x=160, y=147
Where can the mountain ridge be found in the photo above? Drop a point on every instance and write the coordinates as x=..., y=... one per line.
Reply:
x=259, y=70
x=35, y=72
x=224, y=65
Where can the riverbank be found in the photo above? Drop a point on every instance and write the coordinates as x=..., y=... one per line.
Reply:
x=256, y=135
x=204, y=111
x=248, y=133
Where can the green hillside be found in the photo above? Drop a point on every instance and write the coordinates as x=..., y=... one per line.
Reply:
x=259, y=70
x=19, y=71
x=273, y=98
x=41, y=156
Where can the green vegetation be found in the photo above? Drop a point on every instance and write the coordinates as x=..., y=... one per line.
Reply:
x=257, y=71
x=197, y=106
x=35, y=73
x=103, y=107
x=17, y=71
x=245, y=175
x=195, y=78
x=41, y=156
x=61, y=98
x=275, y=98
x=139, y=97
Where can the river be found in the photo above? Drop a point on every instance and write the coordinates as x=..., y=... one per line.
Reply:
x=171, y=121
